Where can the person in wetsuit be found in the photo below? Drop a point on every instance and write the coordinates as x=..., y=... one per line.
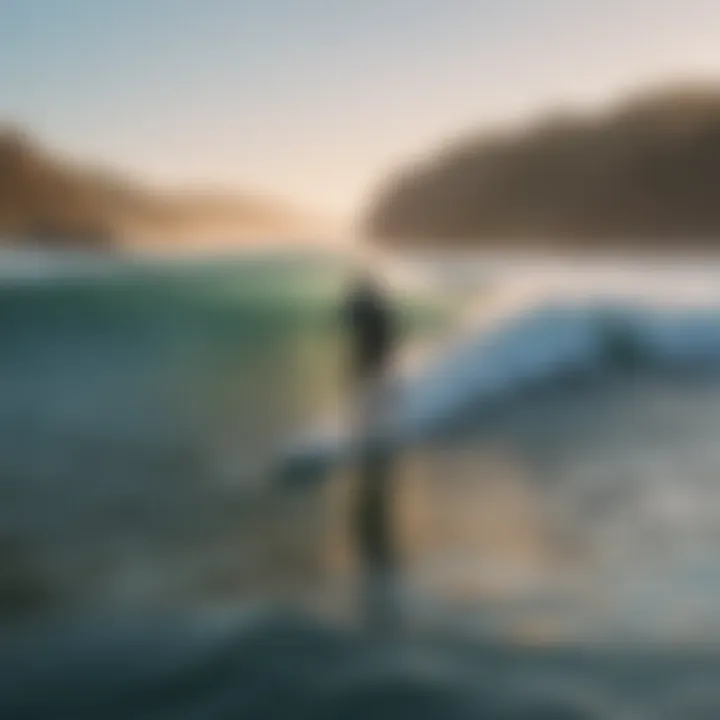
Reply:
x=372, y=337
x=371, y=331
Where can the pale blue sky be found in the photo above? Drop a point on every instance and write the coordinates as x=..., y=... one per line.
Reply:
x=314, y=100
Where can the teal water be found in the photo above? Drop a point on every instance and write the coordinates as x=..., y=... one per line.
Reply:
x=140, y=405
x=137, y=404
x=246, y=350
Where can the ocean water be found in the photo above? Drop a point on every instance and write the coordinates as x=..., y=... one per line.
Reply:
x=141, y=404
x=555, y=481
x=144, y=405
x=556, y=460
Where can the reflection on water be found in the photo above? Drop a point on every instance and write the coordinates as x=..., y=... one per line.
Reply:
x=577, y=511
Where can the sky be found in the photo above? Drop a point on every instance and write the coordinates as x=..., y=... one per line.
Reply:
x=316, y=101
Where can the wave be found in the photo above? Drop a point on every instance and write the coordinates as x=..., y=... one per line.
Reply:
x=279, y=665
x=543, y=326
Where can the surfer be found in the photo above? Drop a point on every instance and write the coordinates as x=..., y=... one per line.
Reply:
x=372, y=336
x=370, y=325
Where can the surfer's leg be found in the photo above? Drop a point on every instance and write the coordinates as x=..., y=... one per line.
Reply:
x=373, y=520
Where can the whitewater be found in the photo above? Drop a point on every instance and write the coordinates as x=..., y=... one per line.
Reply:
x=541, y=321
x=580, y=403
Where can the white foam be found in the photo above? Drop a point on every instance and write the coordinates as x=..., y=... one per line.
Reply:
x=540, y=324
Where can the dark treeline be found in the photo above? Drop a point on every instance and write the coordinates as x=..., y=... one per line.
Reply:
x=644, y=173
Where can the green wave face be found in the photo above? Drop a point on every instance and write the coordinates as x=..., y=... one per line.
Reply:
x=227, y=351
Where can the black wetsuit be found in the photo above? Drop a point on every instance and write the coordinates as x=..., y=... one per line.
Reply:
x=372, y=333
x=371, y=330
